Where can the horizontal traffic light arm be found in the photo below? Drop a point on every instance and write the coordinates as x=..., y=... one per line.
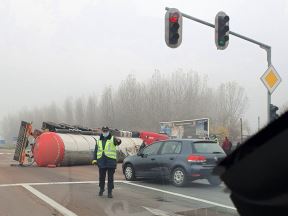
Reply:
x=262, y=45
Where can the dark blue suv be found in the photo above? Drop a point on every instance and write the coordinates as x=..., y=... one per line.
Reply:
x=179, y=160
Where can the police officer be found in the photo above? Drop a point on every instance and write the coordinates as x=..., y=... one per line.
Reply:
x=105, y=156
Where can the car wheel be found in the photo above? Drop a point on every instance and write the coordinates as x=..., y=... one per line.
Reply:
x=214, y=180
x=129, y=173
x=179, y=177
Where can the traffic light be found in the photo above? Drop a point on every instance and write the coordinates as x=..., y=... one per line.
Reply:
x=221, y=30
x=173, y=28
x=273, y=112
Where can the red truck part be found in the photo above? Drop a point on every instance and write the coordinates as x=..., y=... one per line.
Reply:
x=150, y=137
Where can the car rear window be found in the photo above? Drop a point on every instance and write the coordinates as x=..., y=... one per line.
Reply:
x=206, y=148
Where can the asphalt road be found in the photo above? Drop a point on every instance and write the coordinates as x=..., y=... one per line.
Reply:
x=73, y=191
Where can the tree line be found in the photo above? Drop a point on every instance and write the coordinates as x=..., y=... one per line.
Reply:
x=141, y=105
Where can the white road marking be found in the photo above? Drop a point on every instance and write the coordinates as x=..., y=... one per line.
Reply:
x=10, y=185
x=49, y=201
x=1, y=153
x=182, y=195
x=158, y=212
x=54, y=183
x=119, y=181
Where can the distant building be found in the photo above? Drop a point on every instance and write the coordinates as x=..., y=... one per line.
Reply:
x=14, y=140
x=195, y=128
x=2, y=140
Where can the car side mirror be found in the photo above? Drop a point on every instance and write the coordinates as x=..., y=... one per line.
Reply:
x=140, y=154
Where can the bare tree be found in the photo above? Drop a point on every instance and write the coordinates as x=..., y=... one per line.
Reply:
x=107, y=108
x=52, y=112
x=139, y=105
x=188, y=90
x=231, y=104
x=79, y=111
x=92, y=112
x=38, y=117
x=157, y=101
x=68, y=111
x=128, y=100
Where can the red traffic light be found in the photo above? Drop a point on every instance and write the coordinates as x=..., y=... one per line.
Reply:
x=174, y=18
x=173, y=28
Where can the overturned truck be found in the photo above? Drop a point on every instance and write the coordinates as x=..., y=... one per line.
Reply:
x=66, y=145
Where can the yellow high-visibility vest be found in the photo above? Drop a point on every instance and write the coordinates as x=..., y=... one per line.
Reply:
x=109, y=151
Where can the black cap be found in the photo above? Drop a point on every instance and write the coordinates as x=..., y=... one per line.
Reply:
x=105, y=128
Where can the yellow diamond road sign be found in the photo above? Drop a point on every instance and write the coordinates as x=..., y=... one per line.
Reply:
x=271, y=79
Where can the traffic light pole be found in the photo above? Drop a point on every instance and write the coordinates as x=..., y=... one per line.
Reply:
x=268, y=50
x=241, y=128
x=262, y=45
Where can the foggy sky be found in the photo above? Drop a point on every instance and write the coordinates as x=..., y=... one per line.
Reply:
x=52, y=49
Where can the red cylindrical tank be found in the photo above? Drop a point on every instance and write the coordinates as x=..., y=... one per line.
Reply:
x=48, y=149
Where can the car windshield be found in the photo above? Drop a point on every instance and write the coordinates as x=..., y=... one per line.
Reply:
x=207, y=148
x=100, y=101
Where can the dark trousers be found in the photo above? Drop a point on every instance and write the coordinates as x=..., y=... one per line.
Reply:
x=102, y=177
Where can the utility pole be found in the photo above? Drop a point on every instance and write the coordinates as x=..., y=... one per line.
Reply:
x=258, y=123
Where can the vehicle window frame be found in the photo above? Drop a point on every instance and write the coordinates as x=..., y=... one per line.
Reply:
x=163, y=144
x=157, y=153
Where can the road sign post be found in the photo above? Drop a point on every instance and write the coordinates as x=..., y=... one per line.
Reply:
x=271, y=80
x=268, y=50
x=241, y=130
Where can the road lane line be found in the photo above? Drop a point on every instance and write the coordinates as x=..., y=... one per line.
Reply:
x=182, y=195
x=49, y=201
x=60, y=183
x=54, y=183
x=10, y=185
x=159, y=212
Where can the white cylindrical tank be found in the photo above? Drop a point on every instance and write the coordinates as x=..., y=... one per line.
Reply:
x=74, y=149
